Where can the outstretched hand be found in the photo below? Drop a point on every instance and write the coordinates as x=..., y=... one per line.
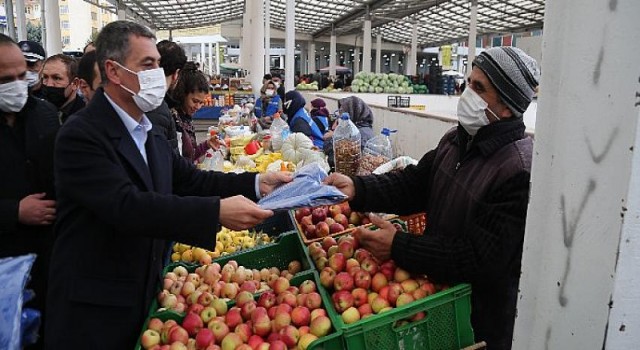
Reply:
x=343, y=183
x=239, y=213
x=378, y=242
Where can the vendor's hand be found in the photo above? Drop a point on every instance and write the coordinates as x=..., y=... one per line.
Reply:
x=342, y=183
x=327, y=135
x=214, y=143
x=239, y=213
x=34, y=210
x=378, y=242
x=270, y=181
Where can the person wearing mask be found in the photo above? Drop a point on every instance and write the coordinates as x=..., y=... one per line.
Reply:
x=320, y=114
x=88, y=75
x=266, y=78
x=300, y=120
x=360, y=114
x=474, y=187
x=35, y=55
x=123, y=194
x=268, y=104
x=277, y=79
x=173, y=59
x=60, y=85
x=190, y=92
x=28, y=126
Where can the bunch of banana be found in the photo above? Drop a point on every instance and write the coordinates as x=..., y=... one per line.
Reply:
x=227, y=242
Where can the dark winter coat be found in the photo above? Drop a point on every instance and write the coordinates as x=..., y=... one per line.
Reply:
x=476, y=201
x=162, y=120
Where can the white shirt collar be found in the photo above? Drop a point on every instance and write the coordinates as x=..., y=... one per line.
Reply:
x=130, y=123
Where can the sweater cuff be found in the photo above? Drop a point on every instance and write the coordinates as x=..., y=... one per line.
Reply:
x=399, y=247
x=359, y=199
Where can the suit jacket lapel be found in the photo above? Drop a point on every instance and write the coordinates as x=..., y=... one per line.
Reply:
x=123, y=142
x=159, y=162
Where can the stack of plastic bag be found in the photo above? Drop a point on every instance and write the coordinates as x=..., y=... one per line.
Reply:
x=306, y=190
x=19, y=327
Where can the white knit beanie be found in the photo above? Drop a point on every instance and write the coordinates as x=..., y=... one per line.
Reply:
x=513, y=73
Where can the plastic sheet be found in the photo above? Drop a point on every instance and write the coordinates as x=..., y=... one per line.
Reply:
x=14, y=273
x=306, y=190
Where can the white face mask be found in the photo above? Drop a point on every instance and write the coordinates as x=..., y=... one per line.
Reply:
x=32, y=78
x=13, y=96
x=277, y=84
x=153, y=87
x=269, y=92
x=471, y=113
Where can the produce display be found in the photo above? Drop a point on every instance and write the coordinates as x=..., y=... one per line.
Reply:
x=391, y=83
x=227, y=242
x=360, y=285
x=313, y=86
x=285, y=317
x=191, y=291
x=322, y=221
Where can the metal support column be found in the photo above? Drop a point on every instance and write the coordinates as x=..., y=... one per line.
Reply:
x=290, y=45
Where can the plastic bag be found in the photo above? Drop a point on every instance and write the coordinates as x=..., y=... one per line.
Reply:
x=14, y=273
x=306, y=190
x=395, y=164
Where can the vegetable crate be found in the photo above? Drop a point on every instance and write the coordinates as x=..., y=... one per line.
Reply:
x=329, y=342
x=446, y=325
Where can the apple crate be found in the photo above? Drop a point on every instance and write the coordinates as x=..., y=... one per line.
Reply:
x=329, y=342
x=446, y=325
x=308, y=241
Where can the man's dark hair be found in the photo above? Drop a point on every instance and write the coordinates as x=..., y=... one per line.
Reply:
x=172, y=57
x=113, y=42
x=266, y=77
x=6, y=40
x=276, y=75
x=85, y=67
x=68, y=61
x=190, y=80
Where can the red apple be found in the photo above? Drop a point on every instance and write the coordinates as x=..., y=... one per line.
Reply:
x=219, y=329
x=378, y=281
x=322, y=229
x=178, y=334
x=277, y=345
x=429, y=288
x=300, y=316
x=321, y=262
x=354, y=219
x=306, y=340
x=233, y=317
x=302, y=212
x=314, y=301
x=255, y=341
x=281, y=320
x=318, y=215
x=403, y=299
x=379, y=303
x=350, y=315
x=343, y=281
x=327, y=276
x=306, y=221
x=362, y=279
x=328, y=242
x=330, y=221
x=395, y=289
x=360, y=254
x=359, y=296
x=155, y=324
x=401, y=275
x=208, y=314
x=317, y=313
x=231, y=341
x=204, y=338
x=261, y=322
x=289, y=335
x=320, y=326
x=243, y=298
x=192, y=323
x=247, y=309
x=365, y=309
x=335, y=210
x=280, y=285
x=267, y=299
x=307, y=287
x=337, y=262
x=342, y=300
x=220, y=306
x=244, y=331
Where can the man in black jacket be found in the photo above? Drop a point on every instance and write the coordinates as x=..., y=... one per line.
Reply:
x=60, y=85
x=173, y=59
x=474, y=188
x=27, y=207
x=122, y=194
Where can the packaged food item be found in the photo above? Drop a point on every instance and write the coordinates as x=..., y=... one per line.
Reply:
x=376, y=152
x=346, y=146
x=279, y=132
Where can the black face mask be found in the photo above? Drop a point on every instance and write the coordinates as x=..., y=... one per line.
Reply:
x=55, y=95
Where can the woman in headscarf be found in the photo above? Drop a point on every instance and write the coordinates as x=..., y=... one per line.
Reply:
x=360, y=115
x=268, y=104
x=300, y=120
x=320, y=114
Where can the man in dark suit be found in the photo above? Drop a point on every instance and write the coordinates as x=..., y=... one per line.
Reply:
x=27, y=130
x=122, y=193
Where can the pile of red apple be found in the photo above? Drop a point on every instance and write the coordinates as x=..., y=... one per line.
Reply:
x=182, y=291
x=324, y=220
x=286, y=317
x=361, y=286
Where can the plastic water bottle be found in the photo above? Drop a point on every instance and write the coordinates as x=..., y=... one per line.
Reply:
x=346, y=146
x=279, y=132
x=377, y=151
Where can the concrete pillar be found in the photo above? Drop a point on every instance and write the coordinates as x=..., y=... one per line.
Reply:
x=393, y=62
x=311, y=57
x=203, y=56
x=210, y=70
x=304, y=56
x=580, y=274
x=412, y=60
x=473, y=29
x=290, y=45
x=378, y=53
x=43, y=21
x=53, y=45
x=11, y=26
x=255, y=43
x=218, y=58
x=332, y=55
x=356, y=60
x=21, y=21
x=366, y=45
x=267, y=36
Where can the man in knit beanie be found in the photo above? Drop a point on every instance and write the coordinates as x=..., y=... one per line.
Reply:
x=474, y=188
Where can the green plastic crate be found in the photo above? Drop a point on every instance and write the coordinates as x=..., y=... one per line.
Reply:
x=329, y=342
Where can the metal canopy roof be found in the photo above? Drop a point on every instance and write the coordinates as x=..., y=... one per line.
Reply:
x=439, y=21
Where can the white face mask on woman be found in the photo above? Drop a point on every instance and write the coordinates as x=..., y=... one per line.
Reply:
x=471, y=113
x=152, y=88
x=269, y=92
x=13, y=96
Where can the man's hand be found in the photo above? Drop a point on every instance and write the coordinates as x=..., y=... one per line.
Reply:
x=270, y=181
x=342, y=183
x=239, y=213
x=377, y=242
x=34, y=210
